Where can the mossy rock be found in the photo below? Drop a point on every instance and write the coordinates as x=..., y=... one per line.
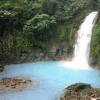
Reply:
x=80, y=91
x=79, y=87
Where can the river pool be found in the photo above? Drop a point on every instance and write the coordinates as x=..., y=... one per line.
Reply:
x=49, y=80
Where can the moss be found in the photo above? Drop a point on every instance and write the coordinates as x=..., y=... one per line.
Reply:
x=95, y=46
x=80, y=91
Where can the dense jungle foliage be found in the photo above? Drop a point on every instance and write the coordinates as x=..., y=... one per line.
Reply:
x=95, y=44
x=25, y=24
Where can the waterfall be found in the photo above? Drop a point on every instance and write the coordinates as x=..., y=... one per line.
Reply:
x=82, y=46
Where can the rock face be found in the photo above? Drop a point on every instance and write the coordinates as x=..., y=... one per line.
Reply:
x=13, y=83
x=1, y=68
x=55, y=52
x=80, y=91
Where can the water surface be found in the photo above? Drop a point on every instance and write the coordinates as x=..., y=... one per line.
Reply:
x=50, y=79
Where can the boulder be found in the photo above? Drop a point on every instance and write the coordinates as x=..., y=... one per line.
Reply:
x=80, y=91
x=12, y=83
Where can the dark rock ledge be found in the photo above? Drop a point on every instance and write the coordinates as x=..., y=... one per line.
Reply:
x=80, y=91
x=1, y=68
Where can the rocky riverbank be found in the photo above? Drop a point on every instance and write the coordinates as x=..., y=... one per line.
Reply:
x=80, y=91
x=55, y=52
x=7, y=84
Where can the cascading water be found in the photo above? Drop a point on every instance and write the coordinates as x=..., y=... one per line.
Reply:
x=82, y=46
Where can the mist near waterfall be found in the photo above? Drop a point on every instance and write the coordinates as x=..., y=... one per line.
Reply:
x=82, y=45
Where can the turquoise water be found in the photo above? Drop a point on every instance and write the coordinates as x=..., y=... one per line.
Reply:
x=49, y=80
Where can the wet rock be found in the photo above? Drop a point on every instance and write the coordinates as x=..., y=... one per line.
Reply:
x=80, y=91
x=11, y=83
x=79, y=86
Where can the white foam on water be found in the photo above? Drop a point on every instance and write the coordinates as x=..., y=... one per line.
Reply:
x=82, y=46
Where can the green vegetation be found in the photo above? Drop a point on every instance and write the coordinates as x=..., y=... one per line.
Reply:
x=25, y=24
x=95, y=44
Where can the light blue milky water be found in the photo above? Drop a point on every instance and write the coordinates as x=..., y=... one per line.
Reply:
x=49, y=79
